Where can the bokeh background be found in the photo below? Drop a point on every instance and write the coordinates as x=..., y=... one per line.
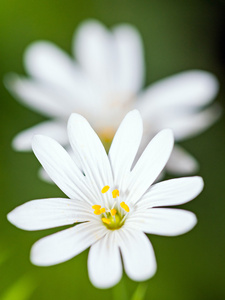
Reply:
x=177, y=35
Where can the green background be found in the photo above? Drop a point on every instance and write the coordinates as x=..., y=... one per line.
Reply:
x=178, y=35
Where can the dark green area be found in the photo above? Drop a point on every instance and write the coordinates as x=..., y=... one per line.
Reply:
x=178, y=35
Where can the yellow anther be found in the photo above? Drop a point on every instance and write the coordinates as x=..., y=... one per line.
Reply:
x=115, y=193
x=96, y=206
x=105, y=189
x=105, y=220
x=97, y=212
x=102, y=210
x=113, y=211
x=124, y=206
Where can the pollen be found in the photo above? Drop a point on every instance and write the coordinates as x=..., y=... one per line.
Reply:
x=106, y=221
x=125, y=206
x=96, y=206
x=113, y=211
x=102, y=210
x=105, y=189
x=115, y=193
x=98, y=210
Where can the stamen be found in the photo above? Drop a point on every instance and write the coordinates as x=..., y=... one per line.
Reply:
x=113, y=211
x=115, y=193
x=106, y=221
x=125, y=206
x=96, y=206
x=102, y=210
x=105, y=189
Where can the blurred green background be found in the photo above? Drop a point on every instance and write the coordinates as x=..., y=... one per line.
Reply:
x=178, y=35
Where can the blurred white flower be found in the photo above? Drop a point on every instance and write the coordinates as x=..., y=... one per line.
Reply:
x=103, y=83
x=114, y=203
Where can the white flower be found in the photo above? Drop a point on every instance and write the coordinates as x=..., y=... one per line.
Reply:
x=114, y=203
x=104, y=83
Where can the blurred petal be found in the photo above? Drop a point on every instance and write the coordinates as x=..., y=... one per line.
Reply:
x=149, y=165
x=193, y=88
x=49, y=213
x=66, y=244
x=37, y=96
x=138, y=254
x=172, y=192
x=181, y=162
x=125, y=145
x=53, y=129
x=163, y=221
x=94, y=50
x=130, y=54
x=104, y=262
x=188, y=125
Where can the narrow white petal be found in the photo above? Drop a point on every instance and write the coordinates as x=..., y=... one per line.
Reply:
x=163, y=221
x=104, y=262
x=53, y=129
x=95, y=51
x=138, y=254
x=186, y=125
x=64, y=245
x=150, y=164
x=125, y=145
x=37, y=96
x=193, y=88
x=130, y=55
x=172, y=192
x=87, y=145
x=49, y=213
x=61, y=168
x=181, y=162
x=48, y=63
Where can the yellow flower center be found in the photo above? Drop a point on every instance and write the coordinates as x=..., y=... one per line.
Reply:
x=114, y=217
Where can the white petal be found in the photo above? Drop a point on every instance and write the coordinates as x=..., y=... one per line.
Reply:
x=186, y=125
x=87, y=145
x=172, y=192
x=64, y=245
x=53, y=129
x=48, y=63
x=37, y=96
x=61, y=168
x=125, y=145
x=49, y=213
x=149, y=165
x=193, y=88
x=138, y=254
x=104, y=262
x=130, y=55
x=163, y=221
x=95, y=51
x=181, y=162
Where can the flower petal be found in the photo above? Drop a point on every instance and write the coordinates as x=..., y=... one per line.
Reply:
x=95, y=51
x=163, y=221
x=53, y=129
x=61, y=168
x=138, y=254
x=37, y=96
x=181, y=162
x=49, y=213
x=192, y=88
x=187, y=125
x=125, y=145
x=149, y=165
x=64, y=245
x=172, y=192
x=87, y=145
x=104, y=262
x=130, y=55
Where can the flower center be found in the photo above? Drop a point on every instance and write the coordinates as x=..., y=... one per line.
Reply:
x=114, y=217
x=106, y=135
